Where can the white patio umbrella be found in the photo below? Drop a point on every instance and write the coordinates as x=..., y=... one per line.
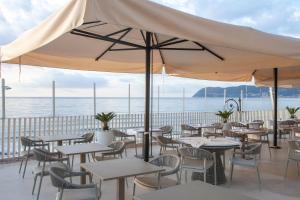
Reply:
x=140, y=36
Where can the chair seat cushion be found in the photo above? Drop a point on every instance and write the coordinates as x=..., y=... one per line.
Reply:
x=243, y=162
x=101, y=158
x=295, y=156
x=129, y=141
x=25, y=153
x=80, y=194
x=150, y=181
x=196, y=164
x=38, y=170
x=172, y=152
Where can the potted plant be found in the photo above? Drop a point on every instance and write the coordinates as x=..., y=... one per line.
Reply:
x=292, y=111
x=104, y=137
x=225, y=116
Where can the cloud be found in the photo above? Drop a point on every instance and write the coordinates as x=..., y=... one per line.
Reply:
x=36, y=77
x=16, y=16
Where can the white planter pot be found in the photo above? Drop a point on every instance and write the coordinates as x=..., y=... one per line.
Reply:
x=227, y=127
x=104, y=137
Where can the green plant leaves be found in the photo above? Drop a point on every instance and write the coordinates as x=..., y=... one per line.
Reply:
x=105, y=117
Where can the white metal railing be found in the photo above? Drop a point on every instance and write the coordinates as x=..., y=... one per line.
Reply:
x=13, y=128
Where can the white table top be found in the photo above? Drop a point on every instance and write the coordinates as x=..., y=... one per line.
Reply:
x=193, y=191
x=248, y=131
x=53, y=138
x=209, y=142
x=120, y=168
x=82, y=148
x=203, y=126
x=141, y=130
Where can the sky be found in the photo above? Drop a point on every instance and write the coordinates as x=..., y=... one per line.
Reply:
x=16, y=16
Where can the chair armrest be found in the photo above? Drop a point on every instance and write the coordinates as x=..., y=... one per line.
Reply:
x=41, y=145
x=127, y=136
x=82, y=186
x=79, y=141
x=71, y=174
x=55, y=159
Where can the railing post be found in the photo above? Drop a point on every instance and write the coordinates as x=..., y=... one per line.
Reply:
x=53, y=99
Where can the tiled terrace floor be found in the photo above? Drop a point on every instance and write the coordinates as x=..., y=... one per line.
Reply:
x=274, y=186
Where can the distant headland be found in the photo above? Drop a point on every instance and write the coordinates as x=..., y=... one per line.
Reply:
x=249, y=91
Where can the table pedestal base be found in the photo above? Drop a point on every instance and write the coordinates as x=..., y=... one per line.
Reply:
x=221, y=178
x=82, y=160
x=120, y=188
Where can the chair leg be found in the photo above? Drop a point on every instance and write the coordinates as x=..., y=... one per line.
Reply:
x=72, y=161
x=215, y=173
x=135, y=148
x=185, y=174
x=89, y=157
x=258, y=177
x=61, y=194
x=125, y=150
x=231, y=174
x=269, y=150
x=224, y=160
x=21, y=165
x=26, y=161
x=133, y=192
x=298, y=167
x=204, y=176
x=286, y=168
x=40, y=186
x=34, y=183
x=180, y=174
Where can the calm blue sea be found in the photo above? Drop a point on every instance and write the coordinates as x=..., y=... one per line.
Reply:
x=30, y=107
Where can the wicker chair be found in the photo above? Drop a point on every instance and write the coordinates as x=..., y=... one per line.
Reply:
x=197, y=160
x=286, y=128
x=70, y=190
x=167, y=131
x=263, y=138
x=87, y=138
x=44, y=156
x=214, y=130
x=256, y=124
x=247, y=158
x=238, y=125
x=165, y=143
x=190, y=129
x=28, y=144
x=293, y=154
x=128, y=139
x=118, y=148
x=160, y=180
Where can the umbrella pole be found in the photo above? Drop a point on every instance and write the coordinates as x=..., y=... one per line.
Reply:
x=275, y=130
x=147, y=96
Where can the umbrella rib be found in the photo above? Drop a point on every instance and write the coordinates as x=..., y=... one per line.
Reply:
x=117, y=32
x=169, y=40
x=126, y=49
x=94, y=26
x=144, y=38
x=91, y=22
x=160, y=52
x=210, y=51
x=171, y=43
x=113, y=44
x=101, y=37
x=178, y=49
